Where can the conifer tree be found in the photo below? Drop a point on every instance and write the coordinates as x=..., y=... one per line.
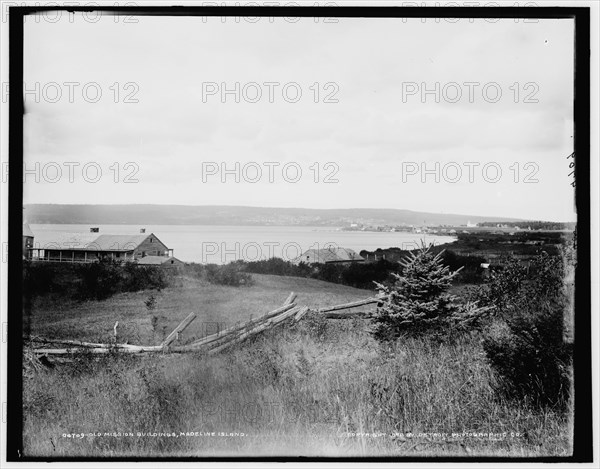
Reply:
x=419, y=301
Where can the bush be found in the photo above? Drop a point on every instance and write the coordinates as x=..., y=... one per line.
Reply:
x=229, y=274
x=277, y=266
x=530, y=360
x=529, y=356
x=328, y=272
x=137, y=277
x=98, y=280
x=38, y=278
x=471, y=271
x=366, y=275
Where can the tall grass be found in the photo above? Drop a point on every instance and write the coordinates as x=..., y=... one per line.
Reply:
x=315, y=388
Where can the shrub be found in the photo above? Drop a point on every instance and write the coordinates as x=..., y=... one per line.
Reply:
x=229, y=274
x=530, y=360
x=503, y=285
x=38, y=278
x=529, y=356
x=277, y=266
x=328, y=272
x=98, y=280
x=471, y=271
x=137, y=277
x=364, y=275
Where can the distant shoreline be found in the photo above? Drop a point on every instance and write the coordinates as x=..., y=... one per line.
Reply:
x=242, y=216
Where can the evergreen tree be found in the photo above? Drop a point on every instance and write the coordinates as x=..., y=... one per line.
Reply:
x=419, y=302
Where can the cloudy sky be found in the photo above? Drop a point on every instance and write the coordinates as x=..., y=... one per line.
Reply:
x=470, y=117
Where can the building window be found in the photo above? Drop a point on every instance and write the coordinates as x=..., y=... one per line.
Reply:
x=151, y=240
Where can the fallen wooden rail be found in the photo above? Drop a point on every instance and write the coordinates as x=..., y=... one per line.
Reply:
x=347, y=315
x=237, y=327
x=354, y=304
x=173, y=336
x=262, y=327
x=301, y=313
x=119, y=348
x=290, y=299
x=76, y=343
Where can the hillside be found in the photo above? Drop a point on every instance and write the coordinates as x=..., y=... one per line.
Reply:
x=321, y=387
x=214, y=304
x=238, y=215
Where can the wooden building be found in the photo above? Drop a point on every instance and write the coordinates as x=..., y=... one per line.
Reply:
x=330, y=255
x=162, y=261
x=131, y=248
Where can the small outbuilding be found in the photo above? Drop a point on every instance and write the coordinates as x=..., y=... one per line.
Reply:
x=27, y=241
x=331, y=255
x=160, y=260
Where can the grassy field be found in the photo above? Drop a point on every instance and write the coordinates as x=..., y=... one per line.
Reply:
x=215, y=306
x=318, y=388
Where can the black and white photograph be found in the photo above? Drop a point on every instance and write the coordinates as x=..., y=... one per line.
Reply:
x=306, y=231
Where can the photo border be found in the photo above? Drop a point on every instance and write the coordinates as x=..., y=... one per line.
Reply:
x=582, y=359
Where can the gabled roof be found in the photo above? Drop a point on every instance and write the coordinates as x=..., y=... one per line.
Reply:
x=157, y=260
x=93, y=242
x=322, y=256
x=27, y=231
x=345, y=254
x=117, y=242
x=64, y=240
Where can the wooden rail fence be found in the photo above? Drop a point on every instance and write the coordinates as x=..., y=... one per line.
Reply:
x=211, y=344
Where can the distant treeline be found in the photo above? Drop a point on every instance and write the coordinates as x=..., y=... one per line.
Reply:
x=534, y=225
x=481, y=246
x=362, y=275
x=522, y=243
x=358, y=275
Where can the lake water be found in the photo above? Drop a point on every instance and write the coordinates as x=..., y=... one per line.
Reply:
x=223, y=244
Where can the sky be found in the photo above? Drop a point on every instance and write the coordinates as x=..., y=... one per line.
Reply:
x=470, y=117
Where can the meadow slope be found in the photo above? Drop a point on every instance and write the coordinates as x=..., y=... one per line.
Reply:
x=215, y=306
x=317, y=388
